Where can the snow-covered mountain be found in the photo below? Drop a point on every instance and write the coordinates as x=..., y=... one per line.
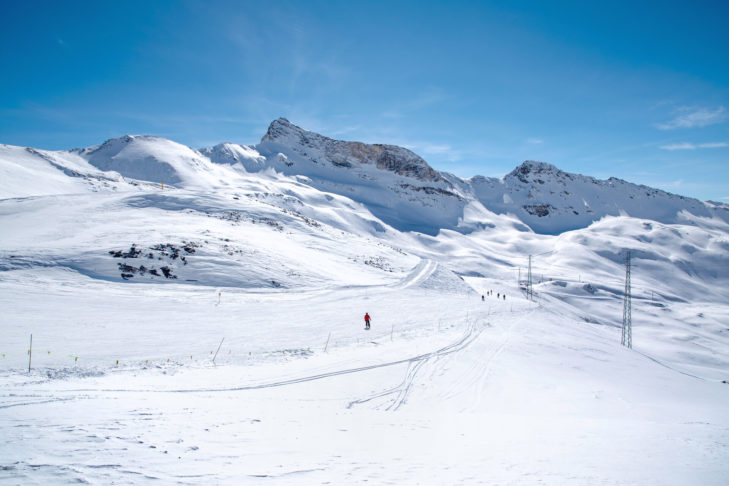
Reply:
x=236, y=277
x=552, y=201
x=296, y=180
x=395, y=184
x=418, y=197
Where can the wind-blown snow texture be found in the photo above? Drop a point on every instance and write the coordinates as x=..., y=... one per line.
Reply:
x=131, y=260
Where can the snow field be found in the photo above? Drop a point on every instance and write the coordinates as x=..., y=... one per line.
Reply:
x=467, y=391
x=444, y=389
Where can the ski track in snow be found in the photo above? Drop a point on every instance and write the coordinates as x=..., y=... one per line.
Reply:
x=414, y=365
x=419, y=274
x=473, y=380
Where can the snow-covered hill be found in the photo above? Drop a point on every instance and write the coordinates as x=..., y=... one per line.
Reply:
x=128, y=262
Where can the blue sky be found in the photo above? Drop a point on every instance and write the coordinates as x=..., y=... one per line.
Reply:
x=636, y=90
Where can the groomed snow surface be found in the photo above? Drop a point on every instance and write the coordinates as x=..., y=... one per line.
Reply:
x=444, y=389
x=212, y=333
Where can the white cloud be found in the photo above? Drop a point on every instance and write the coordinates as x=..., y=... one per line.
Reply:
x=679, y=146
x=688, y=117
x=429, y=148
x=692, y=146
x=535, y=141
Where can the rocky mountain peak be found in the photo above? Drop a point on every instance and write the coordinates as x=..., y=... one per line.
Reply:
x=283, y=131
x=534, y=171
x=343, y=154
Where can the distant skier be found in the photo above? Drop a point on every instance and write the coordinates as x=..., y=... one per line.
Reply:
x=367, y=320
x=498, y=294
x=483, y=298
x=504, y=296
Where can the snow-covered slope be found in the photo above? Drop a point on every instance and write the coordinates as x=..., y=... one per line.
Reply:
x=197, y=316
x=241, y=157
x=155, y=159
x=30, y=172
x=301, y=183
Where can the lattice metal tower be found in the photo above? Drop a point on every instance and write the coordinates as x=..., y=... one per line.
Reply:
x=627, y=339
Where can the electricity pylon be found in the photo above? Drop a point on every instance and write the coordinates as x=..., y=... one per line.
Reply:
x=627, y=338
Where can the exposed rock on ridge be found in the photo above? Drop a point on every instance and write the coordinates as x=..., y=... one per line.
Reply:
x=344, y=154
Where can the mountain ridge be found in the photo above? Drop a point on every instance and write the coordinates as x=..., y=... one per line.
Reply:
x=395, y=184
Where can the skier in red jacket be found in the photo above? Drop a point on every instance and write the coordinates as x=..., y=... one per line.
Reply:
x=367, y=320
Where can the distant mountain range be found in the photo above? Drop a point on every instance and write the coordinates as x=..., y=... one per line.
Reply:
x=395, y=184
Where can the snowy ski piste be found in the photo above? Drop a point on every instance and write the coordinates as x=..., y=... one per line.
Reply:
x=197, y=317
